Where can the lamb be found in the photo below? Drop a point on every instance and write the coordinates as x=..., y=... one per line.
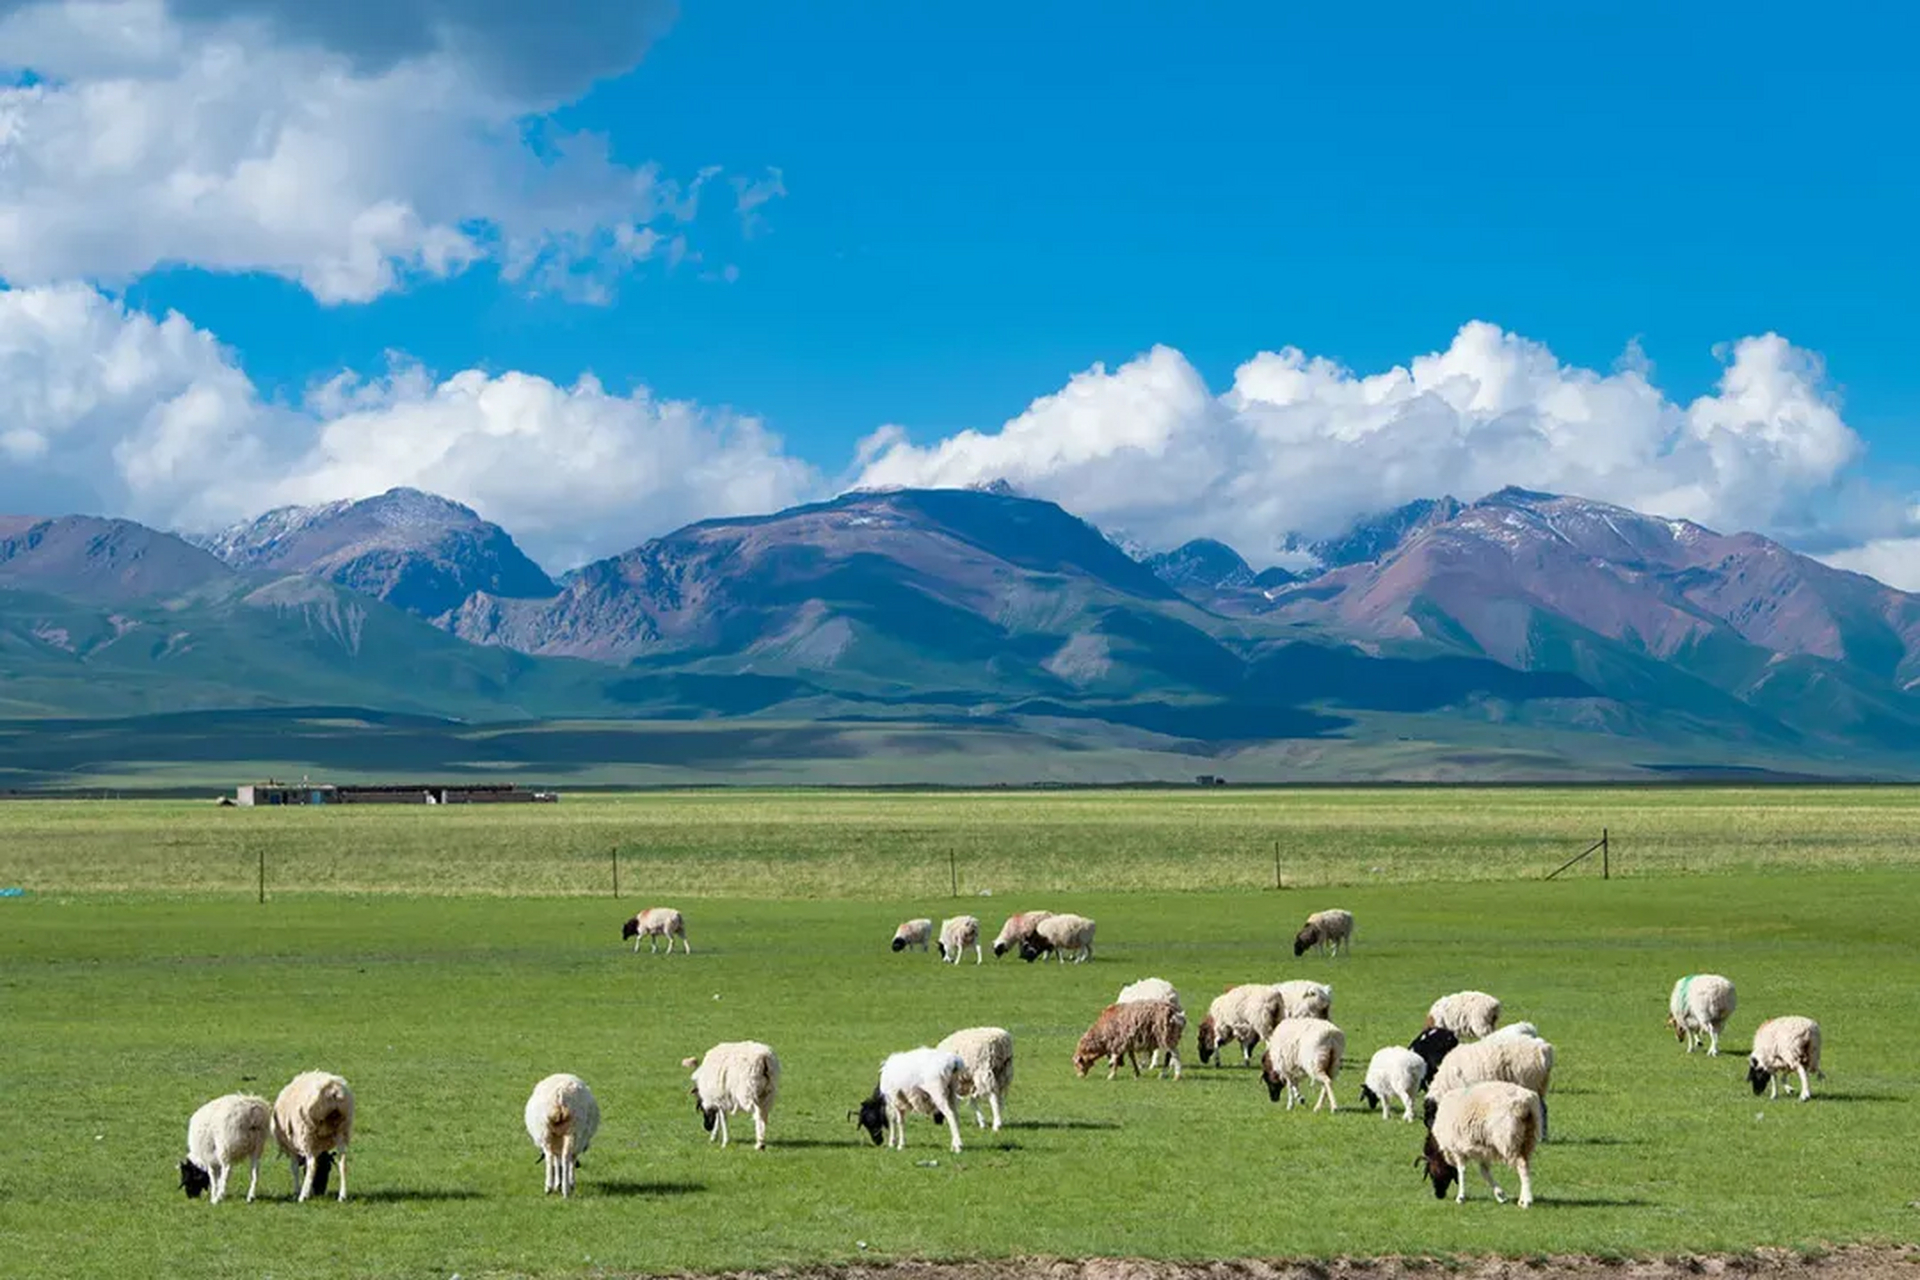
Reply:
x=1059, y=935
x=1700, y=1005
x=1305, y=999
x=656, y=922
x=1527, y=1063
x=988, y=1055
x=1393, y=1074
x=956, y=935
x=562, y=1118
x=1433, y=1045
x=923, y=1079
x=1491, y=1120
x=1325, y=929
x=1303, y=1048
x=312, y=1125
x=1466, y=1013
x=735, y=1075
x=1122, y=1030
x=1017, y=930
x=913, y=933
x=1149, y=989
x=1246, y=1013
x=220, y=1135
x=1514, y=1031
x=1782, y=1046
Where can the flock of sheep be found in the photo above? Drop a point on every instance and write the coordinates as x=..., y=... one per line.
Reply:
x=1485, y=1084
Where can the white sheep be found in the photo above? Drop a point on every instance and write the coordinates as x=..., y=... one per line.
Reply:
x=1527, y=1063
x=1325, y=929
x=1017, y=929
x=913, y=933
x=1491, y=1120
x=1246, y=1013
x=312, y=1125
x=1514, y=1031
x=1303, y=1049
x=1466, y=1013
x=1300, y=999
x=1059, y=935
x=220, y=1135
x=956, y=935
x=657, y=922
x=562, y=1118
x=924, y=1080
x=987, y=1053
x=1149, y=989
x=736, y=1075
x=1698, y=1007
x=1782, y=1046
x=1393, y=1074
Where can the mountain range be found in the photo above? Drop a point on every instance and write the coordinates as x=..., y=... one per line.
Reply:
x=1520, y=634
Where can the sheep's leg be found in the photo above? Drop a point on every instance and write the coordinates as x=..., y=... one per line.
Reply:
x=1713, y=1036
x=759, y=1128
x=1408, y=1099
x=636, y=944
x=1134, y=1060
x=253, y=1177
x=720, y=1126
x=993, y=1101
x=979, y=957
x=1174, y=1058
x=1773, y=1086
x=343, y=1174
x=945, y=1104
x=1524, y=1167
x=306, y=1173
x=1805, y=1092
x=979, y=1116
x=1486, y=1171
x=1113, y=1065
x=217, y=1184
x=1460, y=1180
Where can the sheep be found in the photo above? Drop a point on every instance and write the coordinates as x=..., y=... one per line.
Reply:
x=220, y=1135
x=1491, y=1120
x=735, y=1075
x=1527, y=1063
x=1304, y=999
x=1393, y=1073
x=923, y=1079
x=956, y=935
x=1017, y=930
x=1122, y=1030
x=1514, y=1031
x=914, y=933
x=312, y=1125
x=1466, y=1013
x=1150, y=989
x=1700, y=1005
x=1325, y=929
x=1782, y=1046
x=1246, y=1013
x=562, y=1118
x=1433, y=1045
x=1307, y=1048
x=656, y=922
x=1059, y=935
x=988, y=1055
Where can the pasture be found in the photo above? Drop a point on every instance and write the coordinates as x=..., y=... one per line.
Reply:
x=443, y=960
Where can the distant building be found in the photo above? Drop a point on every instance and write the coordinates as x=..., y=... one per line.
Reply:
x=1211, y=780
x=255, y=794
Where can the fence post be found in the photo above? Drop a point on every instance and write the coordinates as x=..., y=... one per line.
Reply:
x=1605, y=869
x=953, y=870
x=1276, y=865
x=263, y=875
x=616, y=870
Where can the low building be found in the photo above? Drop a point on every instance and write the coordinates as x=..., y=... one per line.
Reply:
x=310, y=793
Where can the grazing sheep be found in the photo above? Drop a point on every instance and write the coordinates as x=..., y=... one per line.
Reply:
x=1059, y=935
x=1017, y=930
x=736, y=1075
x=1514, y=1031
x=1699, y=1007
x=1433, y=1045
x=1393, y=1074
x=1246, y=1013
x=1150, y=989
x=562, y=1118
x=1782, y=1046
x=1305, y=999
x=1122, y=1030
x=1466, y=1013
x=956, y=935
x=988, y=1055
x=1491, y=1120
x=1303, y=1048
x=1325, y=929
x=656, y=922
x=924, y=1080
x=914, y=933
x=1527, y=1063
x=220, y=1135
x=312, y=1125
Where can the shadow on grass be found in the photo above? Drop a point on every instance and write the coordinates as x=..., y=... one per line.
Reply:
x=1856, y=1097
x=819, y=1144
x=1059, y=1124
x=414, y=1195
x=645, y=1190
x=1596, y=1142
x=1590, y=1202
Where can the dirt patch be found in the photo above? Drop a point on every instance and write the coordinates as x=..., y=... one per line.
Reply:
x=1860, y=1263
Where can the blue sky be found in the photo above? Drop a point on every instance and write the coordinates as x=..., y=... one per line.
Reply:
x=975, y=211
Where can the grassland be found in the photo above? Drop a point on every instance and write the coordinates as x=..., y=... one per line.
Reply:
x=443, y=960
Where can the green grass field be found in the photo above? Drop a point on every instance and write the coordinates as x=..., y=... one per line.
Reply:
x=446, y=974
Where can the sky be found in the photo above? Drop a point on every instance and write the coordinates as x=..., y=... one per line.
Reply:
x=601, y=267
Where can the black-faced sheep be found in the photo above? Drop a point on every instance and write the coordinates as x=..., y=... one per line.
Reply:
x=1245, y=1013
x=1325, y=930
x=312, y=1125
x=653, y=923
x=1393, y=1075
x=219, y=1136
x=1058, y=935
x=1303, y=1049
x=734, y=1076
x=956, y=935
x=1123, y=1030
x=1492, y=1120
x=924, y=1080
x=914, y=933
x=1699, y=1006
x=1525, y=1062
x=1784, y=1046
x=1017, y=930
x=562, y=1117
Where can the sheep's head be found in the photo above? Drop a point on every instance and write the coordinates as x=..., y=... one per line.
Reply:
x=1369, y=1098
x=1086, y=1054
x=1276, y=1083
x=1032, y=949
x=1307, y=937
x=899, y=943
x=872, y=1116
x=709, y=1116
x=1208, y=1037
x=1673, y=1025
x=1758, y=1076
x=1436, y=1168
x=631, y=929
x=194, y=1179
x=1000, y=947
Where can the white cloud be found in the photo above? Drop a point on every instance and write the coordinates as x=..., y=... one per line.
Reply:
x=1299, y=443
x=110, y=410
x=1894, y=561
x=348, y=152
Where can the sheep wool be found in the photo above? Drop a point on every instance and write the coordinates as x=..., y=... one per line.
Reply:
x=1149, y=989
x=1394, y=1075
x=1300, y=999
x=312, y=1125
x=913, y=933
x=562, y=1117
x=657, y=922
x=735, y=1076
x=220, y=1135
x=1328, y=930
x=1784, y=1046
x=1059, y=935
x=1246, y=1013
x=1122, y=1030
x=1484, y=1122
x=1466, y=1013
x=987, y=1053
x=1303, y=1049
x=956, y=935
x=1698, y=1008
x=1017, y=931
x=1515, y=1031
x=924, y=1080
x=1527, y=1063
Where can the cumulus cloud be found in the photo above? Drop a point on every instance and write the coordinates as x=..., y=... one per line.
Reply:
x=1299, y=443
x=349, y=147
x=106, y=409
x=1894, y=561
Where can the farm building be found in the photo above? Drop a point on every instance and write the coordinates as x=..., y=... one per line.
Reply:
x=309, y=793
